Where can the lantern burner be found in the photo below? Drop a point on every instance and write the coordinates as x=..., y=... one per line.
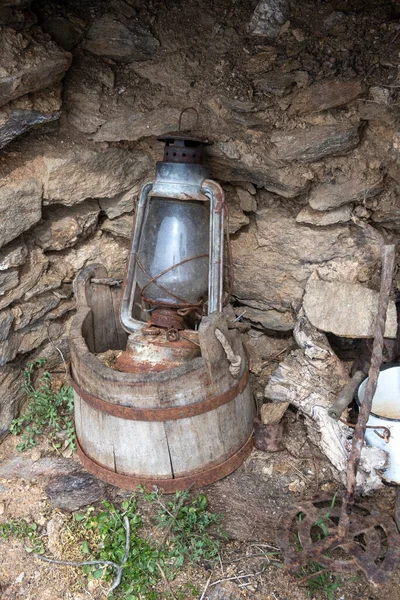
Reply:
x=167, y=318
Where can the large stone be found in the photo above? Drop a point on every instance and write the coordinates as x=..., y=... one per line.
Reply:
x=51, y=350
x=251, y=161
x=120, y=226
x=27, y=313
x=379, y=107
x=274, y=260
x=310, y=145
x=123, y=203
x=85, y=102
x=13, y=255
x=61, y=309
x=386, y=209
x=6, y=319
x=175, y=76
x=134, y=127
x=28, y=112
x=71, y=492
x=57, y=272
x=345, y=309
x=333, y=195
x=22, y=467
x=80, y=173
x=371, y=110
x=275, y=82
x=20, y=204
x=236, y=217
x=27, y=339
x=63, y=226
x=324, y=95
x=12, y=396
x=272, y=412
x=101, y=248
x=248, y=203
x=30, y=274
x=122, y=43
x=268, y=17
x=92, y=99
x=322, y=218
x=269, y=319
x=66, y=33
x=262, y=349
x=262, y=61
x=28, y=66
x=8, y=280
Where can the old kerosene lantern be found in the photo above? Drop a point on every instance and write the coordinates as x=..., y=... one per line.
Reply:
x=175, y=270
x=176, y=409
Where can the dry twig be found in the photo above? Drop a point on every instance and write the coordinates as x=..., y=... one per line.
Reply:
x=205, y=588
x=106, y=563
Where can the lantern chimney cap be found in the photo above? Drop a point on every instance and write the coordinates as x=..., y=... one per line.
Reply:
x=183, y=148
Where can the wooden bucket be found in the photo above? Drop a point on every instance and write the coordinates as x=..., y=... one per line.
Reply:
x=181, y=428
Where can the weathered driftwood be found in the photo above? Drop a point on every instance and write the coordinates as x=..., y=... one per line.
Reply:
x=130, y=427
x=310, y=379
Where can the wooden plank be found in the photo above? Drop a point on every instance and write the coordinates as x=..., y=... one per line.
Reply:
x=212, y=437
x=99, y=298
x=147, y=453
x=127, y=447
x=92, y=435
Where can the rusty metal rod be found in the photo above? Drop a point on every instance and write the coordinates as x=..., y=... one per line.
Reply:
x=388, y=259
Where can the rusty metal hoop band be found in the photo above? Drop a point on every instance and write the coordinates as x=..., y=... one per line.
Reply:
x=168, y=486
x=171, y=413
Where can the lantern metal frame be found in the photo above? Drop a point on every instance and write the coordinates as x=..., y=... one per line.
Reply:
x=181, y=182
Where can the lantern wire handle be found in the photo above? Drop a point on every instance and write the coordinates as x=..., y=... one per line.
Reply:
x=183, y=112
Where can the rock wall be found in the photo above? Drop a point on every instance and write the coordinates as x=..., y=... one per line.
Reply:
x=304, y=121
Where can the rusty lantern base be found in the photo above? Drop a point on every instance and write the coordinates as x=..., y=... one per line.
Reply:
x=308, y=534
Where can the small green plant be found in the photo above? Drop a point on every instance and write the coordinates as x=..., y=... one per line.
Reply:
x=189, y=523
x=140, y=570
x=184, y=523
x=323, y=583
x=47, y=411
x=22, y=530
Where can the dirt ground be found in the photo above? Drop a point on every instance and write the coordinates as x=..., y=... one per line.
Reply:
x=252, y=501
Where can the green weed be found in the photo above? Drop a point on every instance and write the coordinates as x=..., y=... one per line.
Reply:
x=188, y=523
x=22, y=530
x=48, y=411
x=323, y=583
x=184, y=523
